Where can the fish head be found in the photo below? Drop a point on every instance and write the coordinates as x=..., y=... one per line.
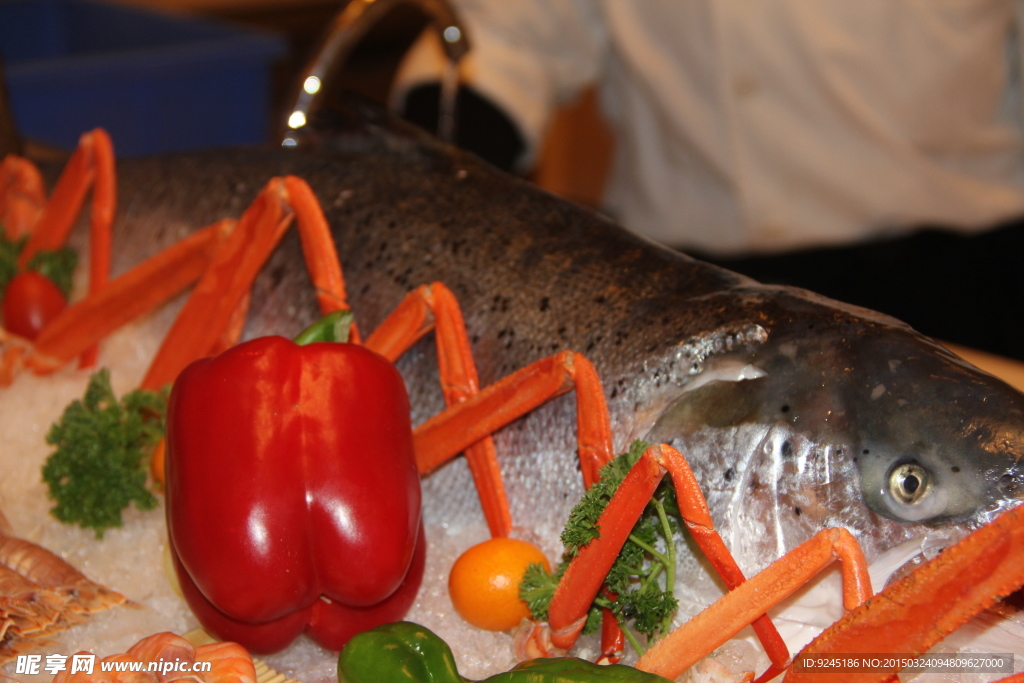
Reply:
x=936, y=440
x=837, y=416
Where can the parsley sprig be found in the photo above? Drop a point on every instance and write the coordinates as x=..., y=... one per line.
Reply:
x=9, y=251
x=58, y=265
x=643, y=576
x=100, y=464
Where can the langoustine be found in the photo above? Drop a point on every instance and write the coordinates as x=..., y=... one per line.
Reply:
x=41, y=594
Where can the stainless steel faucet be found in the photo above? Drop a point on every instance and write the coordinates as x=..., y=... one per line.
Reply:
x=346, y=31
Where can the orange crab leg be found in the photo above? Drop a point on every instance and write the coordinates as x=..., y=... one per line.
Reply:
x=595, y=435
x=216, y=300
x=435, y=307
x=22, y=196
x=435, y=304
x=685, y=646
x=918, y=611
x=235, y=326
x=594, y=453
x=58, y=216
x=317, y=247
x=209, y=308
x=213, y=318
x=452, y=431
x=130, y=295
x=411, y=320
x=94, y=155
x=468, y=424
x=693, y=507
x=104, y=200
x=613, y=642
x=585, y=574
x=92, y=164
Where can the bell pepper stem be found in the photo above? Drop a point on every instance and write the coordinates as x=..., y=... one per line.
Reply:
x=333, y=327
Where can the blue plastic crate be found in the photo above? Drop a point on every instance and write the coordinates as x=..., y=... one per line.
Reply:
x=156, y=82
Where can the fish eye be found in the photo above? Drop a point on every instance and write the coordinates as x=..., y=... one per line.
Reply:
x=909, y=483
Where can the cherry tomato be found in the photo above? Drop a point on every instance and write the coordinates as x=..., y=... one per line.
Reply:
x=484, y=582
x=31, y=301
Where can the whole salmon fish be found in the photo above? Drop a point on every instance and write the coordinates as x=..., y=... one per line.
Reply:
x=797, y=412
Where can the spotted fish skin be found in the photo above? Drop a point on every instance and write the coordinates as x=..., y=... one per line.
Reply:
x=794, y=409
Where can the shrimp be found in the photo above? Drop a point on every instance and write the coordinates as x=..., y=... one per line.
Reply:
x=169, y=658
x=41, y=594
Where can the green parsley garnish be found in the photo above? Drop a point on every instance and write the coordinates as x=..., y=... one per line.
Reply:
x=58, y=264
x=9, y=250
x=103, y=445
x=643, y=576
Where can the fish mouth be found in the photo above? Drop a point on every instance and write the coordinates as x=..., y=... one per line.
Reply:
x=894, y=564
x=899, y=561
x=989, y=513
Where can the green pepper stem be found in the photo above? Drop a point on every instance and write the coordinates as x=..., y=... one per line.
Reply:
x=333, y=327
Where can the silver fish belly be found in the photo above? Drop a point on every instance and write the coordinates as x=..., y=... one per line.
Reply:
x=797, y=412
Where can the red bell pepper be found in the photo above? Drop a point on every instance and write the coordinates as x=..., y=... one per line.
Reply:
x=293, y=498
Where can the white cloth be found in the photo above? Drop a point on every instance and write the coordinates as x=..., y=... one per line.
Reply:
x=758, y=126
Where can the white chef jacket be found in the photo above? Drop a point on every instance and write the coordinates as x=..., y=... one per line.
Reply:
x=765, y=125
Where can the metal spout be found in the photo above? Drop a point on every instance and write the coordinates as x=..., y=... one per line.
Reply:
x=346, y=31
